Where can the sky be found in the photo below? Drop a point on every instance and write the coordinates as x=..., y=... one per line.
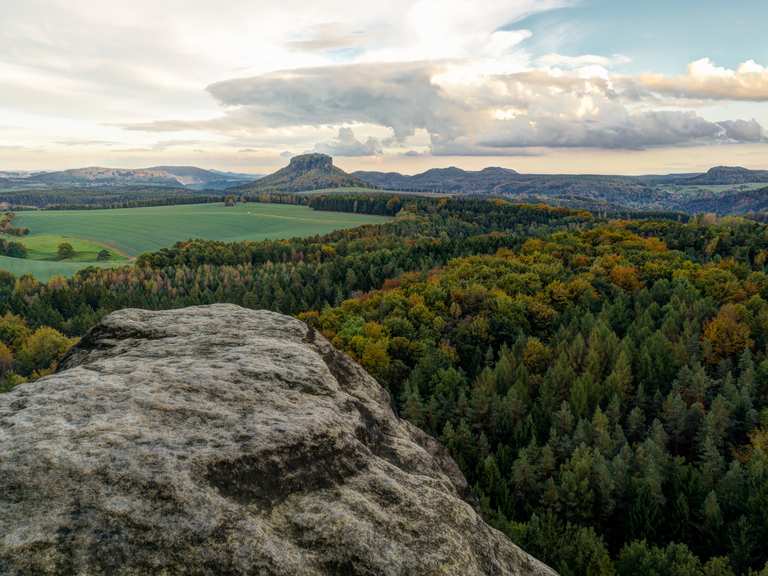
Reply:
x=558, y=86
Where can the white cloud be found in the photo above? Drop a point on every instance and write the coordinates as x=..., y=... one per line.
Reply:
x=554, y=60
x=463, y=109
x=705, y=80
x=346, y=144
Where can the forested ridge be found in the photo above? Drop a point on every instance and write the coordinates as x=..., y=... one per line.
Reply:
x=602, y=384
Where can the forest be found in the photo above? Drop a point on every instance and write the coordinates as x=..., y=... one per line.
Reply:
x=602, y=383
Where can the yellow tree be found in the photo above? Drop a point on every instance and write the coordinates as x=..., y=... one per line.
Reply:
x=726, y=334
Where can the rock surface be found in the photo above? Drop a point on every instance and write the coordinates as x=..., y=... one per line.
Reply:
x=220, y=440
x=307, y=162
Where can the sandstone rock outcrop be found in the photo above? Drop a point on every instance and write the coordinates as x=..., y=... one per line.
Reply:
x=220, y=440
x=306, y=172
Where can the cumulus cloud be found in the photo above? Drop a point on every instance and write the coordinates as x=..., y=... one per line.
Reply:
x=705, y=80
x=464, y=109
x=400, y=96
x=346, y=144
x=743, y=130
x=642, y=130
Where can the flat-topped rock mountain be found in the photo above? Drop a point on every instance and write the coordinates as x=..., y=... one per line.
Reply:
x=220, y=440
x=307, y=162
x=307, y=172
x=725, y=175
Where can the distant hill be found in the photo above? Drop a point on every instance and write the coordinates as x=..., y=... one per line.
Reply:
x=306, y=172
x=104, y=177
x=166, y=176
x=199, y=178
x=506, y=181
x=724, y=175
x=557, y=188
x=722, y=189
x=748, y=201
x=595, y=191
x=450, y=180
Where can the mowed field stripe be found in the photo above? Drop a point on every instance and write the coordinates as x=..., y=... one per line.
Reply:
x=129, y=232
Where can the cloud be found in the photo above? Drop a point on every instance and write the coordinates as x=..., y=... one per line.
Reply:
x=465, y=80
x=464, y=109
x=328, y=36
x=632, y=131
x=85, y=142
x=562, y=61
x=704, y=80
x=400, y=96
x=166, y=144
x=743, y=130
x=346, y=144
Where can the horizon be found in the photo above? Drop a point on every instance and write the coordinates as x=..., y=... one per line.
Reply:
x=554, y=86
x=441, y=166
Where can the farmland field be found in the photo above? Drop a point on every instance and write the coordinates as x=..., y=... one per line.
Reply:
x=43, y=270
x=128, y=232
x=45, y=246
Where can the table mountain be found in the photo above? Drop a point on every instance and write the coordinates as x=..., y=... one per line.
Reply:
x=219, y=440
x=726, y=175
x=306, y=172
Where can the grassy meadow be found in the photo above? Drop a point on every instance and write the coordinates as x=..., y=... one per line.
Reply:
x=128, y=232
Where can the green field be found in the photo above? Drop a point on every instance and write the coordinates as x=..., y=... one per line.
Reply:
x=131, y=231
x=45, y=247
x=44, y=270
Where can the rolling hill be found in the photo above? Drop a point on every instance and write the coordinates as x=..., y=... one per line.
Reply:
x=505, y=181
x=449, y=180
x=744, y=202
x=721, y=190
x=722, y=175
x=189, y=177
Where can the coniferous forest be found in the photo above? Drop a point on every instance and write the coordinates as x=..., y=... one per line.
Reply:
x=602, y=383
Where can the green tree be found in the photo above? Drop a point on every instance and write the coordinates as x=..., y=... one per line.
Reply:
x=42, y=350
x=6, y=360
x=65, y=251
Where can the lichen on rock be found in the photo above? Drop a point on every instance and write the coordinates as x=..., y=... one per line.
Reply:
x=220, y=440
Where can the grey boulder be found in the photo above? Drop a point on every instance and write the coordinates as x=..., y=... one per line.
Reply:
x=220, y=440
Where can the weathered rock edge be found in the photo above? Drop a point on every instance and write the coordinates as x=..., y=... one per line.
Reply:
x=220, y=440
